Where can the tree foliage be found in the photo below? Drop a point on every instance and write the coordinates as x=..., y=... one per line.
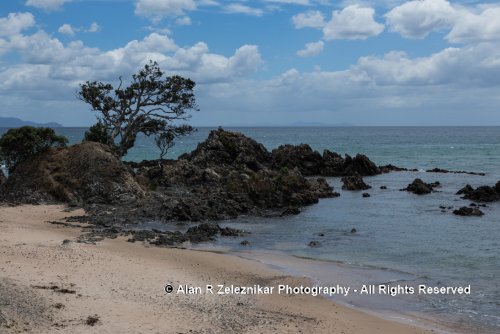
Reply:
x=19, y=144
x=150, y=104
x=99, y=133
x=165, y=139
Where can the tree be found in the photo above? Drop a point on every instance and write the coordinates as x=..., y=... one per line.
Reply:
x=19, y=144
x=150, y=104
x=165, y=139
x=99, y=133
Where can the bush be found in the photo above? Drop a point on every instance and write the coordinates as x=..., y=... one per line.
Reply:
x=17, y=145
x=99, y=133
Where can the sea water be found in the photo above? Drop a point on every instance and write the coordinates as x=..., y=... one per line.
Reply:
x=401, y=237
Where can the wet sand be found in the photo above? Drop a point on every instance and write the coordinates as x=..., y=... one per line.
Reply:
x=50, y=283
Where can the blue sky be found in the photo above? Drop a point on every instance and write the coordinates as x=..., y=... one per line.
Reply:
x=262, y=62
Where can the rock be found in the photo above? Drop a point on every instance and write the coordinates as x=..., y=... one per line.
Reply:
x=321, y=234
x=230, y=148
x=391, y=168
x=439, y=170
x=481, y=194
x=467, y=211
x=202, y=232
x=361, y=165
x=366, y=195
x=245, y=243
x=88, y=172
x=314, y=243
x=419, y=187
x=290, y=211
x=332, y=164
x=354, y=182
x=353, y=231
x=465, y=190
x=383, y=187
x=301, y=156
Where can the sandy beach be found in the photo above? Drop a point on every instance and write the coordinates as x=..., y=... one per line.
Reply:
x=50, y=283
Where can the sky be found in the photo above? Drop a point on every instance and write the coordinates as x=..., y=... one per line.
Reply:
x=261, y=62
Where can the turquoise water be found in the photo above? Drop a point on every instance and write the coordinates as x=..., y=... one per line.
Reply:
x=401, y=235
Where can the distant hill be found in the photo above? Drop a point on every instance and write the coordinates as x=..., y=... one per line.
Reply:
x=12, y=122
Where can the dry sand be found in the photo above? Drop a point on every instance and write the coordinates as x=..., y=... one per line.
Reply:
x=51, y=285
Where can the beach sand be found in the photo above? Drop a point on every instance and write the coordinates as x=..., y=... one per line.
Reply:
x=50, y=283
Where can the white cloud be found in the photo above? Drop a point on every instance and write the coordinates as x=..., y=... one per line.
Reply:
x=14, y=23
x=48, y=5
x=66, y=29
x=291, y=2
x=183, y=21
x=471, y=27
x=311, y=49
x=309, y=19
x=156, y=10
x=416, y=19
x=238, y=8
x=352, y=22
x=94, y=27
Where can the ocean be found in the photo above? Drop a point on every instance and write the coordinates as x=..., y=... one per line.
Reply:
x=401, y=238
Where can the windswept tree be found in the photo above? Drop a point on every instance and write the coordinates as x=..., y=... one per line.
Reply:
x=165, y=139
x=150, y=104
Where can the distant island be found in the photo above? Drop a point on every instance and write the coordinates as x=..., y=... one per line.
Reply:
x=10, y=122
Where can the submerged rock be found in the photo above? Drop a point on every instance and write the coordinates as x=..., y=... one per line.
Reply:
x=468, y=211
x=354, y=182
x=366, y=195
x=445, y=171
x=314, y=243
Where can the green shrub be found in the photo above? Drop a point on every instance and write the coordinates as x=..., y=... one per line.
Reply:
x=99, y=133
x=19, y=144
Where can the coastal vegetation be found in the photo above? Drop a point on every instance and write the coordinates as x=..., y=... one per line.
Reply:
x=151, y=104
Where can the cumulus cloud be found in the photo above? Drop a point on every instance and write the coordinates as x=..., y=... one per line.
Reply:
x=66, y=29
x=156, y=10
x=239, y=8
x=48, y=5
x=14, y=23
x=94, y=27
x=183, y=21
x=416, y=19
x=352, y=22
x=309, y=19
x=311, y=49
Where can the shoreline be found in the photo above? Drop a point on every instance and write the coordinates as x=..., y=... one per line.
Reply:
x=118, y=286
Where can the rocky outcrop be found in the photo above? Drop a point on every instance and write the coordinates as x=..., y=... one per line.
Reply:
x=229, y=148
x=310, y=162
x=354, y=182
x=87, y=173
x=301, y=156
x=468, y=211
x=419, y=187
x=481, y=194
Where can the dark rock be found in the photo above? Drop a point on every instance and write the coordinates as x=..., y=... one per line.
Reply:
x=301, y=156
x=245, y=243
x=482, y=194
x=290, y=211
x=332, y=164
x=202, y=232
x=439, y=170
x=354, y=231
x=419, y=187
x=465, y=190
x=366, y=195
x=314, y=243
x=467, y=211
x=361, y=165
x=321, y=234
x=230, y=148
x=391, y=168
x=383, y=187
x=354, y=182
